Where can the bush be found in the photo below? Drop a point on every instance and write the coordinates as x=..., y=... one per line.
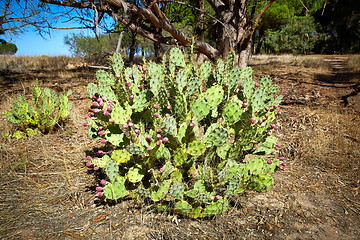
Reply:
x=45, y=110
x=181, y=133
x=7, y=48
x=298, y=36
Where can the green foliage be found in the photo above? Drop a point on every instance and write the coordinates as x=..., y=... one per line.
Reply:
x=180, y=145
x=7, y=48
x=41, y=114
x=298, y=36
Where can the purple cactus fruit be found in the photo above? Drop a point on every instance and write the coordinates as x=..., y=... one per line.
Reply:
x=150, y=148
x=104, y=98
x=275, y=106
x=149, y=137
x=117, y=75
x=101, y=128
x=131, y=97
x=125, y=126
x=144, y=68
x=89, y=158
x=158, y=130
x=281, y=158
x=267, y=108
x=241, y=90
x=103, y=182
x=158, y=136
x=93, y=118
x=130, y=124
x=212, y=198
x=99, y=100
x=192, y=124
x=266, y=187
x=103, y=140
x=100, y=152
x=158, y=143
x=218, y=197
x=109, y=108
x=162, y=169
x=278, y=113
x=156, y=106
x=106, y=113
x=140, y=86
x=276, y=127
x=260, y=121
x=157, y=115
x=226, y=85
x=128, y=84
x=273, y=126
x=269, y=162
x=137, y=131
x=268, y=133
x=101, y=104
x=101, y=133
x=96, y=168
x=244, y=105
x=111, y=102
x=95, y=104
x=85, y=124
x=257, y=84
x=165, y=140
x=266, y=116
x=167, y=115
x=88, y=116
x=94, y=97
x=221, y=119
x=88, y=164
x=111, y=120
x=253, y=120
x=284, y=164
x=96, y=110
x=99, y=189
x=131, y=76
x=99, y=194
x=143, y=76
x=169, y=107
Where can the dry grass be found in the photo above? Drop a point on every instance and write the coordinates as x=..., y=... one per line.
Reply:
x=354, y=63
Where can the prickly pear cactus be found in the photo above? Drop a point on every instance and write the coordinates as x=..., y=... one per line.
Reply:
x=180, y=133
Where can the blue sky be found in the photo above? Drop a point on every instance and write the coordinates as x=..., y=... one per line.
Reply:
x=32, y=44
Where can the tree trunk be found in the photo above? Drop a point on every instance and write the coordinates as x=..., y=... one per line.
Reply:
x=132, y=48
x=244, y=56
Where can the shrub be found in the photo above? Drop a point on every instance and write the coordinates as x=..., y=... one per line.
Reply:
x=180, y=133
x=45, y=110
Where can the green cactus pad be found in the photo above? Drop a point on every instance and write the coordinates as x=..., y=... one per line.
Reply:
x=196, y=148
x=135, y=149
x=177, y=191
x=111, y=169
x=233, y=78
x=162, y=191
x=232, y=112
x=215, y=207
x=120, y=156
x=258, y=99
x=120, y=114
x=116, y=189
x=213, y=96
x=104, y=78
x=200, y=108
x=255, y=166
x=266, y=147
x=169, y=126
x=181, y=80
x=180, y=157
x=265, y=83
x=135, y=175
x=216, y=136
x=117, y=63
x=261, y=183
x=205, y=71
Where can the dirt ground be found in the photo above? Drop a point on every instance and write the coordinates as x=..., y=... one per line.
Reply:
x=47, y=192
